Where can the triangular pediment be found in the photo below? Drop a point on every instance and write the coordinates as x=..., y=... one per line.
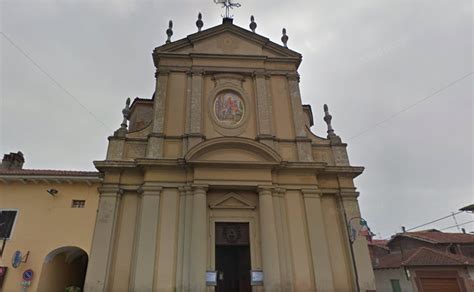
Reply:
x=232, y=201
x=227, y=39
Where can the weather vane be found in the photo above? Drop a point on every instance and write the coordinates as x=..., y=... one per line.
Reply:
x=228, y=4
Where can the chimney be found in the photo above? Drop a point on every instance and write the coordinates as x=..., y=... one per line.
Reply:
x=13, y=160
x=463, y=230
x=403, y=229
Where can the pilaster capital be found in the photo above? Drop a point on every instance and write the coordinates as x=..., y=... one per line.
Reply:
x=196, y=72
x=260, y=74
x=110, y=191
x=265, y=190
x=150, y=189
x=185, y=190
x=200, y=188
x=161, y=72
x=349, y=194
x=293, y=77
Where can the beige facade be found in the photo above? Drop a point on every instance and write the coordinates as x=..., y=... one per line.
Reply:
x=225, y=139
x=53, y=236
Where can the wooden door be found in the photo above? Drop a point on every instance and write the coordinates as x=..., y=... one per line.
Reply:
x=233, y=257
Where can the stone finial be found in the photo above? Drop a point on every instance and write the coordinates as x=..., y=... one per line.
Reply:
x=327, y=119
x=253, y=24
x=199, y=22
x=169, y=31
x=284, y=38
x=123, y=126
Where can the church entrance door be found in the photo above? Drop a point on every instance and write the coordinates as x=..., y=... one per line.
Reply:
x=233, y=257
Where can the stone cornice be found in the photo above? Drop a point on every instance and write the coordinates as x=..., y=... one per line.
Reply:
x=55, y=179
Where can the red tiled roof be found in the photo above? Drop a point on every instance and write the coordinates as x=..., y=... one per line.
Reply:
x=425, y=256
x=438, y=237
x=378, y=242
x=47, y=172
x=422, y=256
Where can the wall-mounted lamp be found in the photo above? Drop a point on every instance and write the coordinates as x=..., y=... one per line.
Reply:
x=52, y=192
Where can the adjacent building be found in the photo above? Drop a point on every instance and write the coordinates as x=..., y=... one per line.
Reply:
x=47, y=218
x=424, y=261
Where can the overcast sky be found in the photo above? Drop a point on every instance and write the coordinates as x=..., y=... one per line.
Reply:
x=368, y=60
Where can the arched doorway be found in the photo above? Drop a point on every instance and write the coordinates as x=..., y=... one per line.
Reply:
x=63, y=267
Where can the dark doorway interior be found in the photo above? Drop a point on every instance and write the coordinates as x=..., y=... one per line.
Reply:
x=233, y=257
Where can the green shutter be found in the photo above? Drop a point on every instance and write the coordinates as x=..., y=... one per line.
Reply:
x=396, y=286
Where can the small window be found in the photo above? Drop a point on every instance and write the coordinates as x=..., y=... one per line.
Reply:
x=452, y=249
x=78, y=203
x=396, y=285
x=7, y=220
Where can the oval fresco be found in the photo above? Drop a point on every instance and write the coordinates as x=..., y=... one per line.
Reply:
x=229, y=109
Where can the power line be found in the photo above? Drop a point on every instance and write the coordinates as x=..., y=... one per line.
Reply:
x=457, y=225
x=411, y=106
x=53, y=79
x=450, y=215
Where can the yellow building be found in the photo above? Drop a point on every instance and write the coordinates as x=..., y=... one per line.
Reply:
x=216, y=183
x=48, y=216
x=219, y=182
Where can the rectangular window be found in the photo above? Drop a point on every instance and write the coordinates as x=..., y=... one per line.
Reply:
x=396, y=286
x=78, y=203
x=7, y=220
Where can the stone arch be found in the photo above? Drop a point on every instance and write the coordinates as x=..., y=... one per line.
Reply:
x=63, y=267
x=233, y=150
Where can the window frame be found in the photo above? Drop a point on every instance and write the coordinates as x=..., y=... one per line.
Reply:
x=399, y=287
x=81, y=204
x=14, y=221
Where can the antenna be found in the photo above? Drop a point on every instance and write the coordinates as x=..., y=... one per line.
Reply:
x=227, y=4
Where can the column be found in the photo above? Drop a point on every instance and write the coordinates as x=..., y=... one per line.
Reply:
x=318, y=240
x=156, y=138
x=269, y=248
x=145, y=244
x=198, y=254
x=103, y=238
x=303, y=143
x=264, y=109
x=361, y=251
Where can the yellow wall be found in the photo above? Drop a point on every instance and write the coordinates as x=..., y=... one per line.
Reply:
x=45, y=223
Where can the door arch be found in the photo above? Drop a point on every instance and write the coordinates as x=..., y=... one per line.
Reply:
x=63, y=267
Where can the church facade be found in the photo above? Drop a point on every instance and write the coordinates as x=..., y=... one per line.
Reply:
x=217, y=183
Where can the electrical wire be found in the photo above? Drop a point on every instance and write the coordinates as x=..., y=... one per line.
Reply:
x=410, y=106
x=457, y=225
x=450, y=215
x=54, y=80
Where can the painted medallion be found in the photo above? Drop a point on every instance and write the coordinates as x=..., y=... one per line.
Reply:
x=229, y=109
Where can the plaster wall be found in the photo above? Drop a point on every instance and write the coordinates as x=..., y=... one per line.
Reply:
x=383, y=277
x=45, y=223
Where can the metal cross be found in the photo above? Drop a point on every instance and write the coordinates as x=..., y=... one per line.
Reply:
x=228, y=4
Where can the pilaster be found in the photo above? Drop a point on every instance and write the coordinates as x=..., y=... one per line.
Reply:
x=156, y=139
x=264, y=109
x=198, y=262
x=195, y=124
x=318, y=240
x=102, y=241
x=361, y=251
x=269, y=248
x=302, y=142
x=145, y=245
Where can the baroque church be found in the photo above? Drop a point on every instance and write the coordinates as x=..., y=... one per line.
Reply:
x=217, y=183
